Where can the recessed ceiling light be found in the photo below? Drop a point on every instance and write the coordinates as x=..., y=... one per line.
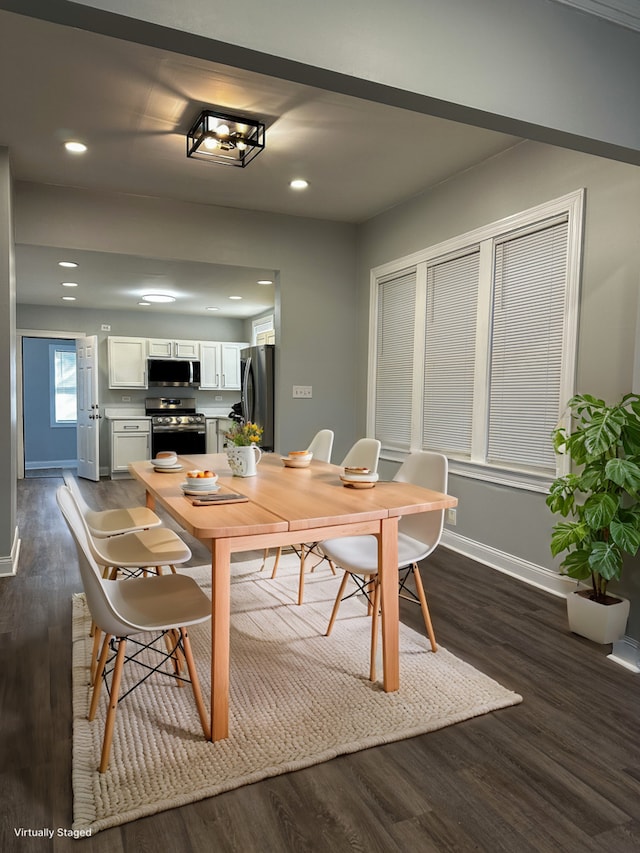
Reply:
x=69, y=264
x=265, y=281
x=75, y=147
x=299, y=184
x=158, y=297
x=145, y=304
x=211, y=308
x=69, y=283
x=235, y=297
x=69, y=298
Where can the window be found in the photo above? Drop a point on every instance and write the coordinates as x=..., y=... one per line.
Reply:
x=62, y=361
x=473, y=345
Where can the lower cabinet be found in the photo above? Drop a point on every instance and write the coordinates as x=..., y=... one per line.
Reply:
x=130, y=442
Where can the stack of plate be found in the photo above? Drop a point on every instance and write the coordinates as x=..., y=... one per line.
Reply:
x=195, y=485
x=359, y=478
x=297, y=459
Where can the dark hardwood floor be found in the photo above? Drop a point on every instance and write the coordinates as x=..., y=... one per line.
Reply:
x=560, y=772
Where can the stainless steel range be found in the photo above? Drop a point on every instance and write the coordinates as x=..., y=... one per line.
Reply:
x=175, y=425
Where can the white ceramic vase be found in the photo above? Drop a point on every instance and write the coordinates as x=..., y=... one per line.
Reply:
x=601, y=623
x=243, y=460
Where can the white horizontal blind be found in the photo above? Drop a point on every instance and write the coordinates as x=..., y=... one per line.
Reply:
x=450, y=345
x=394, y=361
x=526, y=347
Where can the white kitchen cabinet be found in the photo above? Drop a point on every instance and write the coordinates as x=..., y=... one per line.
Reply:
x=220, y=365
x=130, y=442
x=164, y=348
x=216, y=429
x=127, y=362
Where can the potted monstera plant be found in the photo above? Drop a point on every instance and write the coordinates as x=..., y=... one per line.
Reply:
x=600, y=499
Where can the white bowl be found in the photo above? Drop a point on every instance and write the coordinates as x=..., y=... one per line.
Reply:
x=201, y=482
x=370, y=477
x=165, y=461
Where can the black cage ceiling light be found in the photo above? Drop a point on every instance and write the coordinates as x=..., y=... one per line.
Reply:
x=223, y=138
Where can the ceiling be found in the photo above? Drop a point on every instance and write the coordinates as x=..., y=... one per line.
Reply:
x=132, y=105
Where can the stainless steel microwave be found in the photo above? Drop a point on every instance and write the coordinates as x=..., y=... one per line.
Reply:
x=173, y=372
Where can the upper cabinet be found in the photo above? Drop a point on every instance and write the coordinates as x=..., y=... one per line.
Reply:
x=219, y=361
x=220, y=365
x=127, y=362
x=161, y=348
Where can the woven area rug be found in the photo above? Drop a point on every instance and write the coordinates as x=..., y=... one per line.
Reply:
x=297, y=698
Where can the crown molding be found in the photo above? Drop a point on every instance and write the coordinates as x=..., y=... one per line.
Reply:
x=623, y=12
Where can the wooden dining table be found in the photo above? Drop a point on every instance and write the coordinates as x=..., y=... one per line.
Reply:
x=286, y=506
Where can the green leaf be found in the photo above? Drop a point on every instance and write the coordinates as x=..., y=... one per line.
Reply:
x=623, y=472
x=576, y=565
x=604, y=431
x=606, y=560
x=567, y=533
x=626, y=535
x=599, y=509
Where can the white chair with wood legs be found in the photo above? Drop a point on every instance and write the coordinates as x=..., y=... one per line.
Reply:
x=163, y=604
x=418, y=536
x=365, y=453
x=112, y=522
x=136, y=553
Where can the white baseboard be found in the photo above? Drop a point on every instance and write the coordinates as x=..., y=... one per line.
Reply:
x=51, y=463
x=626, y=652
x=509, y=564
x=9, y=564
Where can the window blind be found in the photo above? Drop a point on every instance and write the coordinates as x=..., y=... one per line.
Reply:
x=394, y=360
x=526, y=347
x=450, y=344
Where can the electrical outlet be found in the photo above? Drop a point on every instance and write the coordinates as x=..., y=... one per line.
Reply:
x=451, y=516
x=105, y=327
x=218, y=398
x=126, y=399
x=302, y=391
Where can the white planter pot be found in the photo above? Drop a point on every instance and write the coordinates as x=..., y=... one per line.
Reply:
x=602, y=623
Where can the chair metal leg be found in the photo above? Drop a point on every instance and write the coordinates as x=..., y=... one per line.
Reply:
x=195, y=684
x=336, y=606
x=423, y=606
x=113, y=706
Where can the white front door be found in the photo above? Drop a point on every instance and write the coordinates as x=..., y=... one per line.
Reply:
x=88, y=409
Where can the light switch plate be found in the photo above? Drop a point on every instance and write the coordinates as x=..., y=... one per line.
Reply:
x=302, y=391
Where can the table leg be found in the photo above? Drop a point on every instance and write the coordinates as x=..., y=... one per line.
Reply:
x=151, y=501
x=220, y=625
x=388, y=576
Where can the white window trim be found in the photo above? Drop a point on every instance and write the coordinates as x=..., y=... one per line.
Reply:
x=572, y=205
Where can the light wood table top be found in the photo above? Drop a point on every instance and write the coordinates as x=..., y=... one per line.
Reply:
x=287, y=506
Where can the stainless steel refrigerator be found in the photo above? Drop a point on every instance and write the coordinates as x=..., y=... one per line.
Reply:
x=258, y=391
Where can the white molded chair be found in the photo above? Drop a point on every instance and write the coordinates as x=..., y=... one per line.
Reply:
x=134, y=553
x=164, y=604
x=365, y=453
x=418, y=536
x=322, y=445
x=111, y=522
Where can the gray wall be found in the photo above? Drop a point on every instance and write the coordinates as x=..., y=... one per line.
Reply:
x=8, y=466
x=316, y=261
x=532, y=68
x=508, y=519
